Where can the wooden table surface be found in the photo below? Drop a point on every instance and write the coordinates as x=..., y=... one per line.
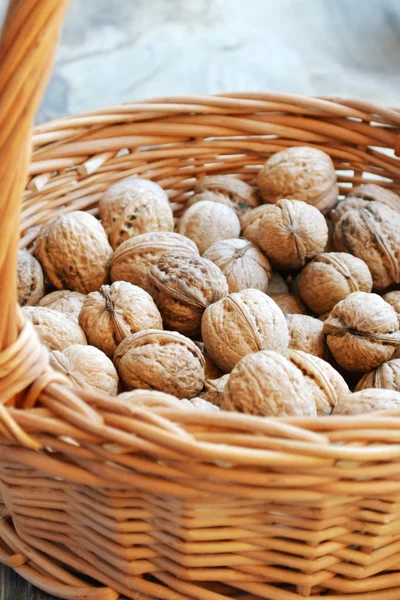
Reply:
x=117, y=51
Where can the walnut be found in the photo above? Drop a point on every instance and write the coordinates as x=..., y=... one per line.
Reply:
x=161, y=360
x=183, y=285
x=330, y=277
x=393, y=298
x=118, y=196
x=372, y=233
x=292, y=232
x=242, y=323
x=87, y=367
x=326, y=385
x=268, y=384
x=360, y=196
x=207, y=222
x=367, y=401
x=199, y=403
x=56, y=330
x=64, y=301
x=211, y=370
x=30, y=284
x=250, y=222
x=290, y=304
x=115, y=312
x=242, y=263
x=134, y=257
x=74, y=252
x=214, y=390
x=277, y=285
x=362, y=331
x=228, y=190
x=151, y=399
x=300, y=173
x=386, y=376
x=306, y=334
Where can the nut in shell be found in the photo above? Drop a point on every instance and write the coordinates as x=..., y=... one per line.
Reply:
x=211, y=371
x=375, y=193
x=242, y=323
x=393, y=298
x=56, y=330
x=306, y=334
x=214, y=390
x=226, y=189
x=250, y=221
x=267, y=384
x=290, y=304
x=183, y=285
x=74, y=252
x=386, y=376
x=242, y=263
x=277, y=285
x=115, y=312
x=64, y=301
x=161, y=360
x=86, y=367
x=30, y=284
x=362, y=332
x=368, y=401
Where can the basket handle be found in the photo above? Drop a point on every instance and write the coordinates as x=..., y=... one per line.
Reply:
x=27, y=49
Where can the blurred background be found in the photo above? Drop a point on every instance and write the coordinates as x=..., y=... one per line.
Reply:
x=119, y=50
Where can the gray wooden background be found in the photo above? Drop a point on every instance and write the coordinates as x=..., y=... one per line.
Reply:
x=118, y=50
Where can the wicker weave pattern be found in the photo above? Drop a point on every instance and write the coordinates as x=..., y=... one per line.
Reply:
x=154, y=502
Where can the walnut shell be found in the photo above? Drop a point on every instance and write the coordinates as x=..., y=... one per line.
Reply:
x=30, y=284
x=134, y=257
x=151, y=399
x=326, y=385
x=211, y=370
x=250, y=222
x=242, y=263
x=118, y=196
x=268, y=384
x=393, y=298
x=330, y=277
x=214, y=390
x=199, y=403
x=277, y=285
x=290, y=304
x=228, y=190
x=208, y=222
x=161, y=360
x=372, y=233
x=386, y=376
x=74, y=252
x=301, y=173
x=360, y=196
x=64, y=301
x=362, y=332
x=115, y=312
x=291, y=233
x=242, y=323
x=367, y=401
x=306, y=334
x=183, y=285
x=87, y=367
x=56, y=330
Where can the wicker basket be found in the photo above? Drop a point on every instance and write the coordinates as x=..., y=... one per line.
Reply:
x=102, y=499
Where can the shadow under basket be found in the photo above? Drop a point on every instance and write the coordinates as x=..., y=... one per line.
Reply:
x=101, y=499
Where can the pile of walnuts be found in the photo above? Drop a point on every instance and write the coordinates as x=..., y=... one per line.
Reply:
x=276, y=299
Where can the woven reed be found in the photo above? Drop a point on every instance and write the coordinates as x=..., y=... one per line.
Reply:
x=153, y=502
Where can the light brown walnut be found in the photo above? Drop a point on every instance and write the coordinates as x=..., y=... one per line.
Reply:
x=277, y=285
x=330, y=277
x=290, y=304
x=291, y=233
x=242, y=323
x=250, y=221
x=161, y=360
x=208, y=222
x=229, y=190
x=372, y=233
x=30, y=283
x=386, y=376
x=368, y=401
x=64, y=301
x=267, y=384
x=183, y=285
x=306, y=334
x=134, y=257
x=201, y=404
x=325, y=384
x=145, y=399
x=362, y=332
x=214, y=389
x=86, y=367
x=242, y=263
x=393, y=298
x=360, y=196
x=301, y=173
x=74, y=252
x=56, y=330
x=115, y=312
x=211, y=371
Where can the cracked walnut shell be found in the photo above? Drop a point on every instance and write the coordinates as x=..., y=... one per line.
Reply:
x=242, y=263
x=301, y=173
x=115, y=312
x=30, y=284
x=386, y=376
x=242, y=323
x=226, y=189
x=64, y=301
x=367, y=401
x=292, y=232
x=161, y=360
x=56, y=330
x=86, y=367
x=362, y=332
x=74, y=252
x=183, y=285
x=208, y=222
x=330, y=277
x=306, y=334
x=267, y=384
